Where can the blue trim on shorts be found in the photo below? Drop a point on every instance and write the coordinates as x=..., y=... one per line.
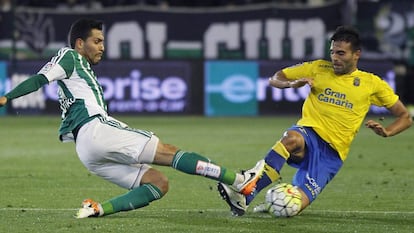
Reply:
x=320, y=164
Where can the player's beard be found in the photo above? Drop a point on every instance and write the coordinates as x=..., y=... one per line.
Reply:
x=96, y=60
x=343, y=68
x=92, y=54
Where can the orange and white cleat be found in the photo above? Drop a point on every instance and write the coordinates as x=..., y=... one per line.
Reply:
x=251, y=177
x=90, y=208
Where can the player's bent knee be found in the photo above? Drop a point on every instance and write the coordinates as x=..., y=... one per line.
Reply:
x=294, y=144
x=162, y=184
x=293, y=141
x=156, y=178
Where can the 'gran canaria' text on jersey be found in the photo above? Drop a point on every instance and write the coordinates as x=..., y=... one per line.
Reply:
x=335, y=97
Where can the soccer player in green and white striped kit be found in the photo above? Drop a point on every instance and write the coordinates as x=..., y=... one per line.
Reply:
x=106, y=146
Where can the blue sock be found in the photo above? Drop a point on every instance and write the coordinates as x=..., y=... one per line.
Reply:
x=273, y=164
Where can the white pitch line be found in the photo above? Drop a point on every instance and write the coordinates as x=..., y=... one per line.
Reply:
x=34, y=209
x=223, y=210
x=359, y=212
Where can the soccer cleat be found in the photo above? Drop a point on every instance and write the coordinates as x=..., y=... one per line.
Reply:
x=235, y=200
x=251, y=177
x=90, y=208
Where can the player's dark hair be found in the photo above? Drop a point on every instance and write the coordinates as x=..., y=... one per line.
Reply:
x=347, y=34
x=82, y=29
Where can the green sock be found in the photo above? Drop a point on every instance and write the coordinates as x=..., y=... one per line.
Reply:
x=195, y=164
x=134, y=199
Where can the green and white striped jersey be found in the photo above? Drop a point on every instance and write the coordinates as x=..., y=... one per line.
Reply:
x=80, y=94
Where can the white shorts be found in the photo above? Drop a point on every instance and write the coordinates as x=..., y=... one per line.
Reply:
x=115, y=152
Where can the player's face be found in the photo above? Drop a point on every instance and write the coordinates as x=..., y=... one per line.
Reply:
x=93, y=47
x=344, y=60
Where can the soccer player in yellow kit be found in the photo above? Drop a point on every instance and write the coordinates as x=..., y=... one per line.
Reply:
x=318, y=144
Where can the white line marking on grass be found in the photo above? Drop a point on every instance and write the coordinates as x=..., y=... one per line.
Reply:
x=223, y=210
x=34, y=209
x=359, y=212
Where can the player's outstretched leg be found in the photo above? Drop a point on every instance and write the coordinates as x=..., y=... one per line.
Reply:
x=196, y=164
x=268, y=170
x=134, y=199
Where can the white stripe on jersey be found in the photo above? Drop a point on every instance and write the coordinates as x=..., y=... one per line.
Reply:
x=78, y=87
x=95, y=83
x=61, y=53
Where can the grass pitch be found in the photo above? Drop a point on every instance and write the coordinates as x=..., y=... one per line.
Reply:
x=43, y=182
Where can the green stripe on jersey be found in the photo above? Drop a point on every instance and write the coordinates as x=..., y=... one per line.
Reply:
x=66, y=62
x=86, y=73
x=64, y=90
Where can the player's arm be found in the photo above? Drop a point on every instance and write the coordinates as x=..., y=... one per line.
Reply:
x=28, y=86
x=279, y=80
x=402, y=121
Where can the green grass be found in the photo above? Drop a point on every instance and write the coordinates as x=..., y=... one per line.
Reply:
x=42, y=182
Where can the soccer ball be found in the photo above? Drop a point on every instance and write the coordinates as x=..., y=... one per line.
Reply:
x=283, y=200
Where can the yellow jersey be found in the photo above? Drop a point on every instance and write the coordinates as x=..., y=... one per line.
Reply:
x=337, y=104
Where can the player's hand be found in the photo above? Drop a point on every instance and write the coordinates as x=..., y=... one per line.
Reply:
x=377, y=128
x=3, y=101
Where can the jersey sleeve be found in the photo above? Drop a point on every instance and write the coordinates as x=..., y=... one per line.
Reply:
x=383, y=95
x=60, y=66
x=28, y=86
x=301, y=70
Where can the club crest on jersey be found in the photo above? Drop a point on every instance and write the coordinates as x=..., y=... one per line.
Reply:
x=357, y=82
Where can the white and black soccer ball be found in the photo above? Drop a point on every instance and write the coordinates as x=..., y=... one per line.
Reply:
x=283, y=200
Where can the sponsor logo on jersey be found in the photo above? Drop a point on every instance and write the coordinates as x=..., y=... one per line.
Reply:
x=46, y=68
x=335, y=97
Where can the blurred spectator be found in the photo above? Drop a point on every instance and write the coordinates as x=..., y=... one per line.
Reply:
x=79, y=5
x=5, y=5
